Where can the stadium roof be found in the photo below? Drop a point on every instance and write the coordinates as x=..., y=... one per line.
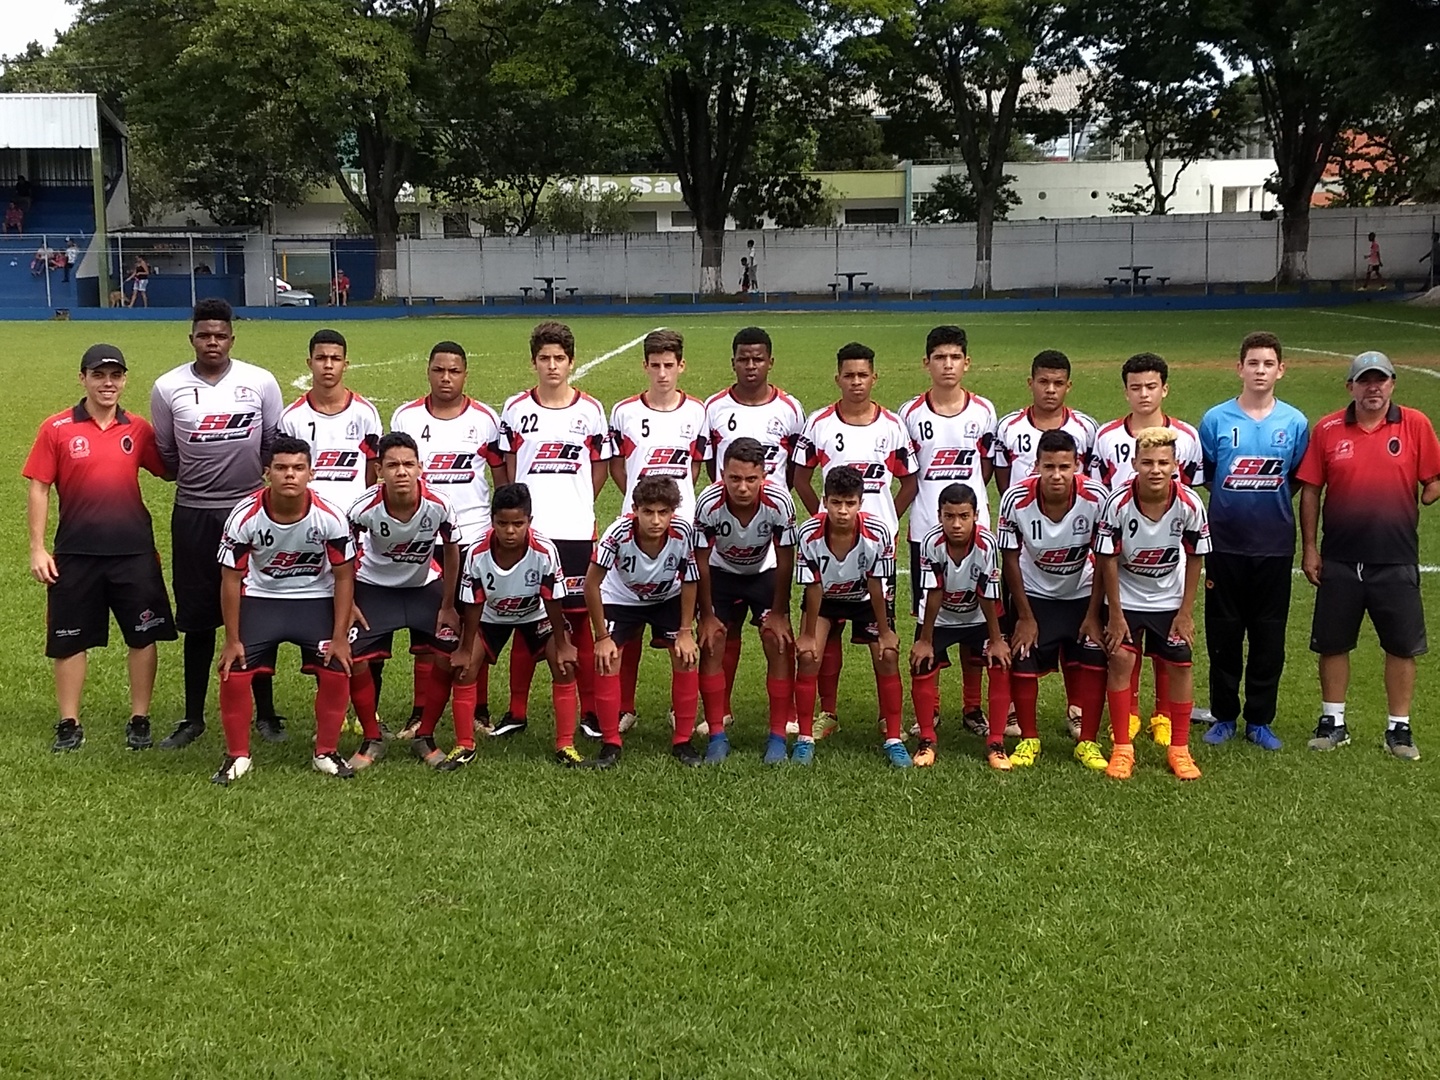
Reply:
x=53, y=121
x=1061, y=94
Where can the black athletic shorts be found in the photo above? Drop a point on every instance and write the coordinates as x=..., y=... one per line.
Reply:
x=494, y=635
x=195, y=567
x=1058, y=641
x=267, y=623
x=575, y=558
x=1388, y=592
x=389, y=609
x=860, y=614
x=1150, y=636
x=628, y=621
x=972, y=638
x=78, y=605
x=735, y=594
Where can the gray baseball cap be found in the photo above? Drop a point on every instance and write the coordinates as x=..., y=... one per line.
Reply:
x=1370, y=361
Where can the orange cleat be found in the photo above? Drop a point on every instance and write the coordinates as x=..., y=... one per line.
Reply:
x=1122, y=762
x=996, y=758
x=1182, y=764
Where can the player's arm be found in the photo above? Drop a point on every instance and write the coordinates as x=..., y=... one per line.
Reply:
x=712, y=630
x=777, y=619
x=163, y=421
x=233, y=651
x=1027, y=632
x=1183, y=625
x=449, y=575
x=803, y=482
x=1107, y=581
x=344, y=605
x=605, y=652
x=1430, y=491
x=905, y=495
x=685, y=648
x=565, y=654
x=922, y=653
x=998, y=650
x=37, y=516
x=467, y=657
x=272, y=407
x=617, y=473
x=809, y=619
x=512, y=470
x=1310, y=532
x=889, y=640
x=1002, y=477
x=599, y=473
x=372, y=471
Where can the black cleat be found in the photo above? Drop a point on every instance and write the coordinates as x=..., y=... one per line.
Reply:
x=976, y=722
x=271, y=728
x=69, y=735
x=608, y=757
x=186, y=732
x=137, y=733
x=458, y=758
x=509, y=725
x=231, y=769
x=567, y=757
x=332, y=764
x=590, y=726
x=685, y=754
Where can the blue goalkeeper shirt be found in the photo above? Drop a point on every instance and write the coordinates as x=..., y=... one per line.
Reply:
x=1250, y=465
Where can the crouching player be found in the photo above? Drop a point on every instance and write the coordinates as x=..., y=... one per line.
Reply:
x=845, y=559
x=1149, y=539
x=513, y=584
x=644, y=573
x=287, y=574
x=1045, y=531
x=961, y=565
x=398, y=525
x=748, y=524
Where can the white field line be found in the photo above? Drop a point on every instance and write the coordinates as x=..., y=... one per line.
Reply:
x=303, y=382
x=590, y=365
x=1374, y=318
x=1349, y=356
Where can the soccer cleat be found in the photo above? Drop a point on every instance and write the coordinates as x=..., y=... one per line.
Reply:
x=1088, y=753
x=1182, y=764
x=975, y=722
x=69, y=735
x=568, y=757
x=509, y=725
x=898, y=755
x=996, y=758
x=1400, y=743
x=1201, y=715
x=332, y=764
x=792, y=727
x=1329, y=735
x=1260, y=735
x=1160, y=729
x=409, y=732
x=271, y=728
x=685, y=754
x=608, y=757
x=717, y=750
x=426, y=750
x=1012, y=725
x=924, y=754
x=775, y=750
x=371, y=751
x=826, y=724
x=231, y=769
x=590, y=726
x=1026, y=751
x=1221, y=731
x=458, y=758
x=915, y=727
x=1122, y=762
x=186, y=732
x=628, y=720
x=1134, y=727
x=137, y=733
x=804, y=752
x=1072, y=721
x=351, y=725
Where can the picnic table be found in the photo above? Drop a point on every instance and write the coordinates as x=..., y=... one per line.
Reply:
x=549, y=285
x=1137, y=275
x=849, y=276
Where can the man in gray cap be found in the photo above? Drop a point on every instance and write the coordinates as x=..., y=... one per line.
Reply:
x=1373, y=458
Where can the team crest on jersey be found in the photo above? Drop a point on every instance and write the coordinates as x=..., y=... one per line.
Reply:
x=425, y=523
x=532, y=578
x=127, y=444
x=1177, y=527
x=951, y=463
x=79, y=447
x=352, y=429
x=578, y=426
x=1280, y=438
x=972, y=429
x=1394, y=447
x=1081, y=527
x=671, y=562
x=246, y=395
x=313, y=535
x=149, y=620
x=1344, y=449
x=775, y=426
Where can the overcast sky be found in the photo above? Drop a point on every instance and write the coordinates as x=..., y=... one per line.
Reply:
x=25, y=21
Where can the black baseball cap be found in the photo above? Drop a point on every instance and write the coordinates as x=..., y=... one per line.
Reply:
x=98, y=355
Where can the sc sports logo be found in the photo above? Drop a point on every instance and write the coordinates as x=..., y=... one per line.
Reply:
x=450, y=468
x=1255, y=474
x=1153, y=562
x=951, y=463
x=1062, y=562
x=667, y=461
x=223, y=427
x=556, y=458
x=337, y=465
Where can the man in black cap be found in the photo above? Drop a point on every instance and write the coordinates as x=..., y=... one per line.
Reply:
x=104, y=558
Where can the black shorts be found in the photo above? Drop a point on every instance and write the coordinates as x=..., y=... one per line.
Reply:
x=628, y=621
x=195, y=567
x=1150, y=636
x=575, y=558
x=1388, y=592
x=972, y=638
x=78, y=605
x=494, y=635
x=732, y=595
x=388, y=609
x=860, y=614
x=267, y=623
x=1058, y=641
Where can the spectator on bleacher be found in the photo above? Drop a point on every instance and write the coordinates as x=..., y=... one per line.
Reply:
x=24, y=193
x=140, y=279
x=203, y=268
x=340, y=289
x=40, y=260
x=72, y=256
x=14, y=218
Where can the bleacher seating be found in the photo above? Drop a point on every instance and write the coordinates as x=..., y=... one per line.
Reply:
x=55, y=213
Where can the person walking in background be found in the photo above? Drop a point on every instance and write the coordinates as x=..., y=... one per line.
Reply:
x=1373, y=264
x=1432, y=257
x=140, y=283
x=72, y=256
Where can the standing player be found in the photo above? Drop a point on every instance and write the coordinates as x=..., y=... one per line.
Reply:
x=288, y=569
x=341, y=427
x=748, y=524
x=857, y=432
x=1149, y=540
x=556, y=442
x=845, y=559
x=1045, y=530
x=644, y=573
x=1252, y=446
x=105, y=557
x=214, y=422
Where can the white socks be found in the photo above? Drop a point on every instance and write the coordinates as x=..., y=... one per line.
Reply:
x=1396, y=721
x=1335, y=709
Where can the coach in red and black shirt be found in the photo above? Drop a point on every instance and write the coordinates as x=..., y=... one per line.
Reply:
x=104, y=557
x=1377, y=462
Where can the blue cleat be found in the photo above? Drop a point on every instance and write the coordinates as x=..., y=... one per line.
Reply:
x=1221, y=731
x=1263, y=737
x=804, y=752
x=775, y=750
x=898, y=755
x=717, y=750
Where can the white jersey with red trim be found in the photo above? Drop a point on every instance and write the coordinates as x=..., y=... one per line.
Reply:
x=880, y=451
x=453, y=455
x=1152, y=554
x=744, y=547
x=948, y=450
x=554, y=450
x=1115, y=453
x=517, y=594
x=401, y=554
x=776, y=425
x=286, y=562
x=634, y=577
x=1057, y=560
x=976, y=576
x=845, y=579
x=1017, y=441
x=653, y=442
x=341, y=444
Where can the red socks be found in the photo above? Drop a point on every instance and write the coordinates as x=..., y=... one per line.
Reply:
x=829, y=682
x=522, y=673
x=685, y=700
x=1180, y=722
x=562, y=699
x=999, y=702
x=1162, y=687
x=236, y=712
x=436, y=696
x=585, y=674
x=1090, y=689
x=630, y=672
x=805, y=688
x=332, y=695
x=781, y=693
x=925, y=695
x=970, y=683
x=1119, y=715
x=712, y=692
x=607, y=706
x=423, y=666
x=1071, y=674
x=730, y=663
x=463, y=709
x=1026, y=690
x=366, y=698
x=892, y=704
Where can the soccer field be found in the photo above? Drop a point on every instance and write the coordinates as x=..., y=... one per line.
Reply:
x=1276, y=918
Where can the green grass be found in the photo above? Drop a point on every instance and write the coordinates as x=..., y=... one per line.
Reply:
x=1278, y=918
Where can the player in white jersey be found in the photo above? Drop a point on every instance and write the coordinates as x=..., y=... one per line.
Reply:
x=288, y=575
x=513, y=585
x=845, y=559
x=1018, y=433
x=752, y=408
x=1150, y=539
x=341, y=427
x=644, y=573
x=214, y=420
x=745, y=526
x=1045, y=529
x=961, y=565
